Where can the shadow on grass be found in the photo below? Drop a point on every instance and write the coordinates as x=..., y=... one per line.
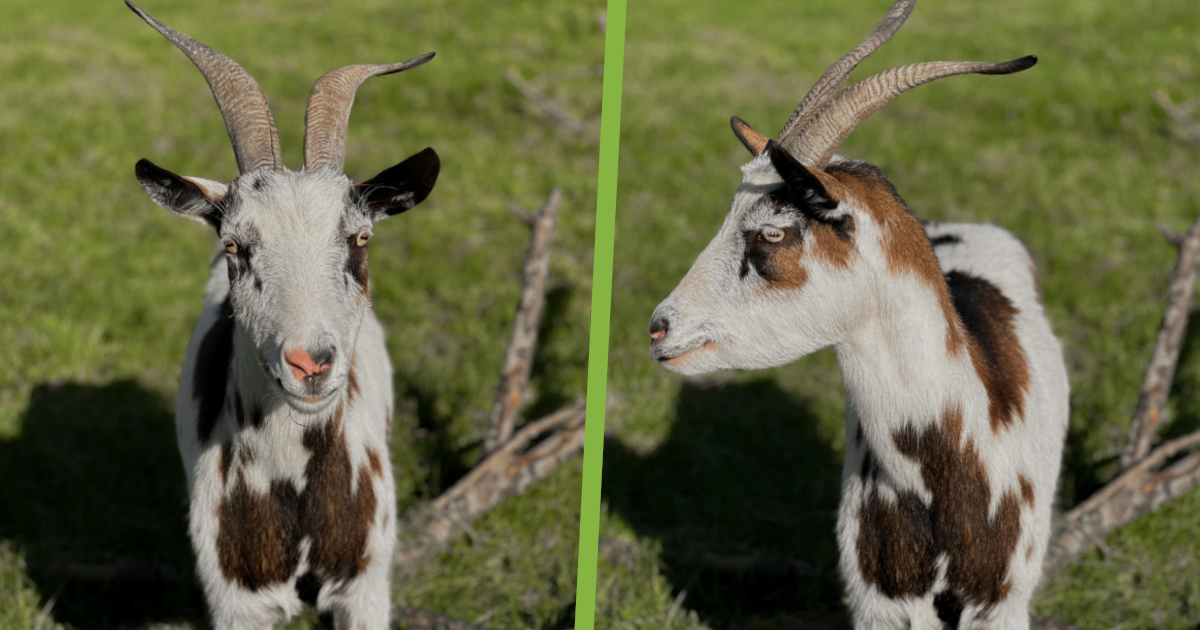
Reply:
x=743, y=473
x=95, y=479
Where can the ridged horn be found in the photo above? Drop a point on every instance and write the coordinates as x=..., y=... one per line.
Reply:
x=328, y=113
x=818, y=141
x=242, y=103
x=835, y=77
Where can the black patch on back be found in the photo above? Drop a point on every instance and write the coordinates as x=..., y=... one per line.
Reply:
x=945, y=239
x=212, y=371
x=308, y=587
x=949, y=608
x=256, y=415
x=868, y=466
x=259, y=184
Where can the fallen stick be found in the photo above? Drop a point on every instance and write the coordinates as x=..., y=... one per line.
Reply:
x=548, y=105
x=518, y=356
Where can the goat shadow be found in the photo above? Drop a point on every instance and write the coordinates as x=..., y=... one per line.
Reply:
x=94, y=494
x=743, y=473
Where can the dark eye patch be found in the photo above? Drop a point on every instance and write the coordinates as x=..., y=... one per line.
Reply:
x=761, y=254
x=356, y=262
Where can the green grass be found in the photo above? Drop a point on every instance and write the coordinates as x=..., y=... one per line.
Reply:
x=99, y=288
x=1072, y=156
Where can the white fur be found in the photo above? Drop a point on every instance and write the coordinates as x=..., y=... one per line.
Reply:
x=299, y=261
x=889, y=333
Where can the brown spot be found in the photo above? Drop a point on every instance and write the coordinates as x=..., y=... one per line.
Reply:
x=778, y=263
x=1029, y=552
x=375, y=462
x=212, y=371
x=905, y=245
x=388, y=420
x=226, y=459
x=1026, y=491
x=996, y=351
x=337, y=519
x=245, y=455
x=352, y=381
x=831, y=247
x=258, y=542
x=900, y=541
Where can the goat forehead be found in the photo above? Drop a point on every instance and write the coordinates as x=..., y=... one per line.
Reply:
x=289, y=205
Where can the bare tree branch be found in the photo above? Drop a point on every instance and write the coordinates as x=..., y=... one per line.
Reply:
x=1139, y=490
x=413, y=619
x=534, y=452
x=1191, y=127
x=1156, y=385
x=548, y=105
x=1173, y=237
x=518, y=357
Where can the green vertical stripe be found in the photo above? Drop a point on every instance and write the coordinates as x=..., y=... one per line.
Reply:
x=606, y=210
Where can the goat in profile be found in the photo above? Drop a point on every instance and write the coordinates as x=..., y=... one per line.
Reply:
x=957, y=392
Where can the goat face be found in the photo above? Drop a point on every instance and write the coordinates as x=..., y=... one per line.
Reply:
x=296, y=246
x=782, y=278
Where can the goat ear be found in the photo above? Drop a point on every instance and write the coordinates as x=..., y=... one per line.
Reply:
x=402, y=186
x=196, y=199
x=801, y=186
x=754, y=142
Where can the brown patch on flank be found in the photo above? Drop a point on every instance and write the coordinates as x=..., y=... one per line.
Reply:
x=905, y=245
x=212, y=371
x=375, y=462
x=899, y=541
x=337, y=519
x=1027, y=495
x=258, y=540
x=996, y=351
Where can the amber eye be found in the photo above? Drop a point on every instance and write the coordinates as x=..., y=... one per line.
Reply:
x=362, y=238
x=231, y=246
x=772, y=234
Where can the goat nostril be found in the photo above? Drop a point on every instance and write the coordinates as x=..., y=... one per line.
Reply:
x=323, y=358
x=303, y=365
x=658, y=328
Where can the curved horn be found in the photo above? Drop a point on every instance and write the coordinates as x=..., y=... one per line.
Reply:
x=328, y=113
x=815, y=144
x=243, y=106
x=835, y=77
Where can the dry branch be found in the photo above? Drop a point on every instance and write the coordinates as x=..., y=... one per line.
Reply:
x=534, y=452
x=548, y=105
x=1156, y=385
x=1191, y=127
x=1142, y=489
x=518, y=357
x=413, y=619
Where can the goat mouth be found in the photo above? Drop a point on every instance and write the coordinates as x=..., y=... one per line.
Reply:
x=677, y=358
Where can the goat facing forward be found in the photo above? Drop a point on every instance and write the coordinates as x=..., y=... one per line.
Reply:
x=957, y=393
x=284, y=408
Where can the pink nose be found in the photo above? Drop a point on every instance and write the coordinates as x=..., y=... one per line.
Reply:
x=302, y=364
x=658, y=333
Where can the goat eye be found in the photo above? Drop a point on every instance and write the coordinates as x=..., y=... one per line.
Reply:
x=231, y=246
x=362, y=238
x=772, y=234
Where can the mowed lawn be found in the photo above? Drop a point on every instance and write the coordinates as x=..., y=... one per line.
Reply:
x=1073, y=156
x=99, y=288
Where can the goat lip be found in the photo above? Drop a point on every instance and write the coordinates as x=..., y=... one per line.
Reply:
x=662, y=356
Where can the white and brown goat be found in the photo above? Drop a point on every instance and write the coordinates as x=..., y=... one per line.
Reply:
x=957, y=392
x=284, y=410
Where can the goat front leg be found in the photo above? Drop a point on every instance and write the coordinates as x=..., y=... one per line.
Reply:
x=367, y=606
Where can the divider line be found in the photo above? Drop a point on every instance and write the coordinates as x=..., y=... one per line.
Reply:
x=606, y=210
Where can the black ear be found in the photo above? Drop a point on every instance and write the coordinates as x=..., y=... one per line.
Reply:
x=401, y=187
x=178, y=194
x=800, y=186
